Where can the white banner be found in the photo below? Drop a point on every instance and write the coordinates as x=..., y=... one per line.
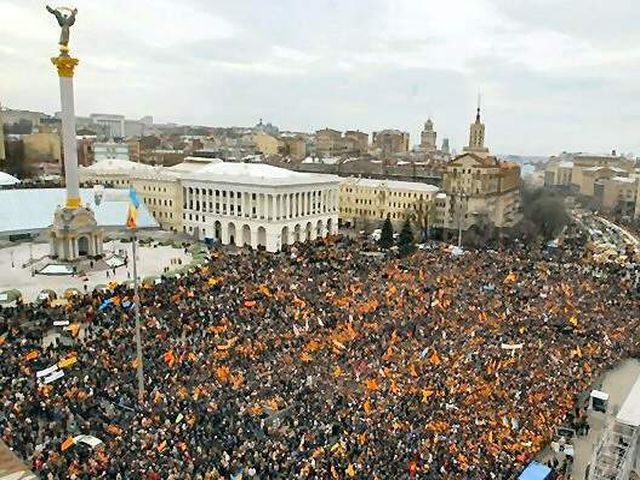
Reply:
x=47, y=371
x=512, y=346
x=61, y=323
x=54, y=376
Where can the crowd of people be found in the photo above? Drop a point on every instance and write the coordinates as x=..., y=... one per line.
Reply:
x=322, y=362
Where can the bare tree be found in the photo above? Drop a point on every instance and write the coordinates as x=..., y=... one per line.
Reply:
x=423, y=215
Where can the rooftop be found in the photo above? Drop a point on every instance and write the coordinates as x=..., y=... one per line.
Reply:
x=392, y=184
x=256, y=174
x=116, y=166
x=624, y=179
x=31, y=209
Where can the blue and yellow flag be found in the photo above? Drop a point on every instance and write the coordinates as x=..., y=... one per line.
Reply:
x=132, y=214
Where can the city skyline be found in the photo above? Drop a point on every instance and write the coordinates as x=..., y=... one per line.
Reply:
x=549, y=81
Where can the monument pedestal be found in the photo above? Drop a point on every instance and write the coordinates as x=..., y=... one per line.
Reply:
x=75, y=234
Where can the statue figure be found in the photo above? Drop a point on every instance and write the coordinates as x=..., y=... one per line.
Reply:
x=65, y=21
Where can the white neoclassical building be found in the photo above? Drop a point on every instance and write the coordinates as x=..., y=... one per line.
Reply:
x=258, y=204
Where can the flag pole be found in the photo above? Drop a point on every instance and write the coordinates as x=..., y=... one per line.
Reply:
x=136, y=306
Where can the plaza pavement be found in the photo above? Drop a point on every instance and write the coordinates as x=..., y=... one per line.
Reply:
x=152, y=261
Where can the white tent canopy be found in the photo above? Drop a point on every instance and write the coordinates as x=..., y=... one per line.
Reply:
x=7, y=180
x=629, y=413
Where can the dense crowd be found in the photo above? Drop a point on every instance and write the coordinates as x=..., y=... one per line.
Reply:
x=323, y=362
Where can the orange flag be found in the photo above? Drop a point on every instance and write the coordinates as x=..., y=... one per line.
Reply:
x=114, y=430
x=67, y=362
x=32, y=355
x=434, y=359
x=67, y=443
x=426, y=393
x=371, y=384
x=511, y=278
x=223, y=373
x=169, y=358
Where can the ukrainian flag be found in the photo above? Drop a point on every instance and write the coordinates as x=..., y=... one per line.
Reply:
x=132, y=214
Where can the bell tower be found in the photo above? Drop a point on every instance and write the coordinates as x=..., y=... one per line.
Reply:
x=476, y=135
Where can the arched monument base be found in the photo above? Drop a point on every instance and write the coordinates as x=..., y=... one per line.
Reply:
x=75, y=235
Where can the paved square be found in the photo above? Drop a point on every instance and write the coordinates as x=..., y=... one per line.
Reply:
x=152, y=261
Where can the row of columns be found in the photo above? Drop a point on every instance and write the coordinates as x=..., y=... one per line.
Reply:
x=264, y=206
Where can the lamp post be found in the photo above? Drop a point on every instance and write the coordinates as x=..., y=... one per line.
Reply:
x=461, y=218
x=136, y=306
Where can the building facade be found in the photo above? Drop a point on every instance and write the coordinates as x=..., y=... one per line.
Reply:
x=230, y=203
x=356, y=141
x=617, y=194
x=391, y=142
x=110, y=151
x=258, y=205
x=328, y=142
x=110, y=125
x=366, y=203
x=114, y=172
x=589, y=176
x=481, y=186
x=559, y=174
x=2, y=154
x=295, y=146
x=43, y=147
x=161, y=192
x=267, y=144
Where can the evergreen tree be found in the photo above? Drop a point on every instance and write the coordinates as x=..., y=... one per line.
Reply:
x=386, y=237
x=405, y=242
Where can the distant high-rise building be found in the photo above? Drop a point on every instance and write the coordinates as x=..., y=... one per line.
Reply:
x=445, y=146
x=113, y=126
x=428, y=137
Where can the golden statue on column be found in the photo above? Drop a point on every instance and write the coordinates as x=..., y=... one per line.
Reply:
x=74, y=235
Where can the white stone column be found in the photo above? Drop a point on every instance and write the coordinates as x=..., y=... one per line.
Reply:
x=303, y=204
x=65, y=67
x=272, y=206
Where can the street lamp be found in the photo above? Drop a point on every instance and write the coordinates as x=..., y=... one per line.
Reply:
x=461, y=215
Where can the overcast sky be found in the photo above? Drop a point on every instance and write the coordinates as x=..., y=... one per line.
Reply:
x=554, y=74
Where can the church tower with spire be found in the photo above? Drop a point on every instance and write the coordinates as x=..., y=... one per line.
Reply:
x=428, y=137
x=476, y=136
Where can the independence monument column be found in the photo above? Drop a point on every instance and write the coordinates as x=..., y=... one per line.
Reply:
x=75, y=235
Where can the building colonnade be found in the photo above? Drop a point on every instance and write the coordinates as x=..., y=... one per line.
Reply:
x=234, y=215
x=259, y=205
